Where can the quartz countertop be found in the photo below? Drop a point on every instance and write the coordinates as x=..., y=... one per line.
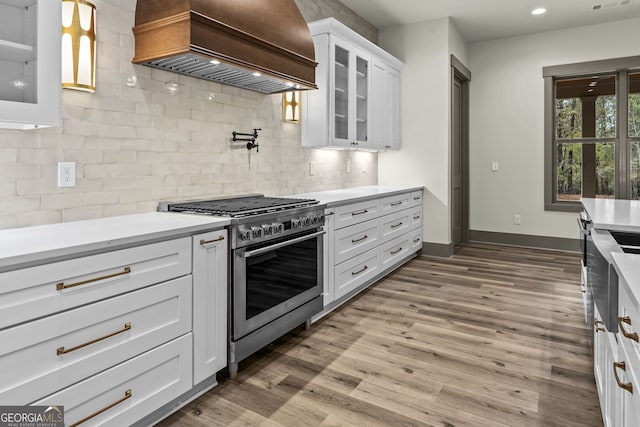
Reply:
x=345, y=196
x=30, y=245
x=628, y=267
x=614, y=214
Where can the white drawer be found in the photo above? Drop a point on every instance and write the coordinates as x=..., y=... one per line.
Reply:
x=629, y=326
x=395, y=203
x=354, y=240
x=416, y=198
x=137, y=387
x=357, y=212
x=46, y=355
x=351, y=274
x=416, y=217
x=395, y=250
x=416, y=239
x=395, y=224
x=630, y=375
x=38, y=291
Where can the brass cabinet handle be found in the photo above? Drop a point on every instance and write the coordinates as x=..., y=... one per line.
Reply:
x=355, y=273
x=416, y=217
x=597, y=324
x=416, y=198
x=62, y=350
x=397, y=225
x=364, y=211
x=330, y=213
x=623, y=366
x=354, y=143
x=396, y=203
x=627, y=320
x=206, y=242
x=127, y=395
x=396, y=251
x=360, y=239
x=416, y=240
x=61, y=286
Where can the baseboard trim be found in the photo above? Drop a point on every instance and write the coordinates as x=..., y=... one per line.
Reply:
x=442, y=250
x=525, y=240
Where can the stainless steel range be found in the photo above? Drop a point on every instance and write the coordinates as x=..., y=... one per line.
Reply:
x=275, y=264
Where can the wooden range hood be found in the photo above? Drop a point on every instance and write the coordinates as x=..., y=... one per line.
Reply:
x=228, y=41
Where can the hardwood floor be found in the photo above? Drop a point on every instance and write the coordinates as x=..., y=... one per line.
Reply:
x=492, y=337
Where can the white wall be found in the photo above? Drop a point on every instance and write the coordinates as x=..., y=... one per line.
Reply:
x=507, y=122
x=424, y=157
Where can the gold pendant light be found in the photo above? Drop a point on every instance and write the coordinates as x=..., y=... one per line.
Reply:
x=78, y=45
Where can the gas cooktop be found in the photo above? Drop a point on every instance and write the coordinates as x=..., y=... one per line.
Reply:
x=237, y=207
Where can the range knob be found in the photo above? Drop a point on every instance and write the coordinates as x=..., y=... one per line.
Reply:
x=267, y=229
x=315, y=219
x=296, y=223
x=306, y=221
x=256, y=232
x=277, y=228
x=246, y=234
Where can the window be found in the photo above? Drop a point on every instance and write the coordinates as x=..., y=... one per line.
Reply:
x=592, y=132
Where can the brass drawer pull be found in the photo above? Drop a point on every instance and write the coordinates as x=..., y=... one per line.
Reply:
x=396, y=204
x=416, y=198
x=206, y=242
x=627, y=320
x=62, y=350
x=416, y=240
x=597, y=324
x=397, y=225
x=396, y=251
x=61, y=286
x=364, y=211
x=360, y=239
x=621, y=365
x=127, y=395
x=416, y=217
x=331, y=213
x=355, y=273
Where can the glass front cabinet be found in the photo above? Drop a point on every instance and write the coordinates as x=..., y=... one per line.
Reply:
x=351, y=109
x=30, y=85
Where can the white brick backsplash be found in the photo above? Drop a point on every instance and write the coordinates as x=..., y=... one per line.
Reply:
x=136, y=146
x=80, y=214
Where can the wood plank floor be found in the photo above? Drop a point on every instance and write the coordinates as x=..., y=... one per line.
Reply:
x=494, y=336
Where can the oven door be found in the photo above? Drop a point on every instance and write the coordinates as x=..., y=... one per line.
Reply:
x=273, y=278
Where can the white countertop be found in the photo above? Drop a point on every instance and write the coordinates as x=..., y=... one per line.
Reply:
x=351, y=195
x=614, y=214
x=33, y=244
x=628, y=267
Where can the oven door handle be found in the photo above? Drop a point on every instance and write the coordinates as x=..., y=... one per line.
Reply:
x=283, y=244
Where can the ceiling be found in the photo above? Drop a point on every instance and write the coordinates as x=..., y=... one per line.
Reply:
x=479, y=20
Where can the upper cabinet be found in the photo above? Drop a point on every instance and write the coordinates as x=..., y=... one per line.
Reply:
x=30, y=40
x=357, y=104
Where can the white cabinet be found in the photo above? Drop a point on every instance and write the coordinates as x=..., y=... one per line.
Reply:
x=367, y=239
x=209, y=304
x=385, y=114
x=357, y=105
x=138, y=330
x=30, y=46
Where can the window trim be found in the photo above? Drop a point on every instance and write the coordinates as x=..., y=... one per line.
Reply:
x=619, y=66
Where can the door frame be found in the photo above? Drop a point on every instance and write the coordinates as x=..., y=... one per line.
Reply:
x=461, y=73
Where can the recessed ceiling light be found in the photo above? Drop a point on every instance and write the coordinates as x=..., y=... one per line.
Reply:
x=538, y=11
x=256, y=74
x=215, y=62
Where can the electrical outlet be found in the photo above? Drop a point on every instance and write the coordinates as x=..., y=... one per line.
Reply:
x=348, y=166
x=517, y=219
x=364, y=167
x=66, y=174
x=312, y=169
x=494, y=166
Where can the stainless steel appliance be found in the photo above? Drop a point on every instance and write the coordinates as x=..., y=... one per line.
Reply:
x=602, y=280
x=275, y=263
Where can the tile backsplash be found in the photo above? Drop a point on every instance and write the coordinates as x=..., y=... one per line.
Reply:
x=136, y=146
